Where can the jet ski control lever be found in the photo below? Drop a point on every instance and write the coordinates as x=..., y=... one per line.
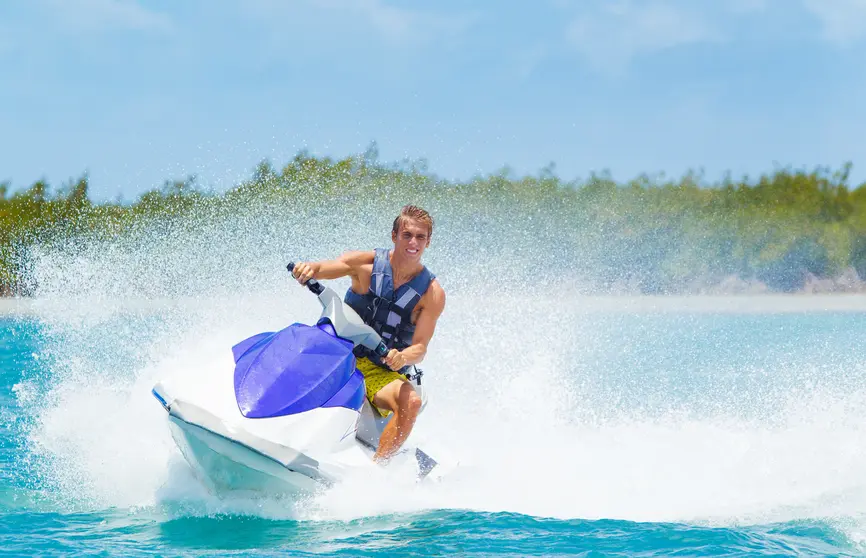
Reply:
x=315, y=287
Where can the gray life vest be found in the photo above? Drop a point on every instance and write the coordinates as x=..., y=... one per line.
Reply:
x=387, y=311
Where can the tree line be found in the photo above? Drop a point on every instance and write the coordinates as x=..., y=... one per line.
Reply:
x=652, y=234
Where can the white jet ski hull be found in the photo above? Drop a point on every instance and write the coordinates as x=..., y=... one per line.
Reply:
x=240, y=454
x=224, y=465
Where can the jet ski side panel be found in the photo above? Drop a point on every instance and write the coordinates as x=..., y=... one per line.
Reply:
x=296, y=442
x=286, y=456
x=224, y=465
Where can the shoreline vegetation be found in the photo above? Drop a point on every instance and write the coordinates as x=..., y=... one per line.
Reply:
x=787, y=231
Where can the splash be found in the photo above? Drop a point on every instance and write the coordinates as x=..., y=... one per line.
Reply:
x=552, y=409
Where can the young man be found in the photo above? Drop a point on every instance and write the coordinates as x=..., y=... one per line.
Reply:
x=399, y=298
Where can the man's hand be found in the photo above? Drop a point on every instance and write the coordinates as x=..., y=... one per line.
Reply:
x=303, y=272
x=395, y=360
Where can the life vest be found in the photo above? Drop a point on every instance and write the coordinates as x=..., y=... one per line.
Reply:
x=387, y=311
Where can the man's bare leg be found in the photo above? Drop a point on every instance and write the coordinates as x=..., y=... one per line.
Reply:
x=399, y=397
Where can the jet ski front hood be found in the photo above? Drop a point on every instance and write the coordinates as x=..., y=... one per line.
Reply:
x=291, y=371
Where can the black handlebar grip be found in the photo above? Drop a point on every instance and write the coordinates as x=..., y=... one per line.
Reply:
x=315, y=287
x=381, y=350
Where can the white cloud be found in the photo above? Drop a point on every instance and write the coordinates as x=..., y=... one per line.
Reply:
x=744, y=7
x=610, y=37
x=400, y=24
x=392, y=23
x=843, y=21
x=395, y=23
x=100, y=15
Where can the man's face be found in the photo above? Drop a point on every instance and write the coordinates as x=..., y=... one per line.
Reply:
x=411, y=240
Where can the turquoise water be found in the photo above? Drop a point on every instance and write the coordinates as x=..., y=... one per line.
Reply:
x=598, y=433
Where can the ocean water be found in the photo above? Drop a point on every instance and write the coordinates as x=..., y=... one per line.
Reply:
x=601, y=432
x=583, y=425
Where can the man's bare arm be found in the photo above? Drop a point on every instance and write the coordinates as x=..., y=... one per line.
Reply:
x=424, y=327
x=347, y=264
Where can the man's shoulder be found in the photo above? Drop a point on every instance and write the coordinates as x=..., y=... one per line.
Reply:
x=435, y=285
x=435, y=293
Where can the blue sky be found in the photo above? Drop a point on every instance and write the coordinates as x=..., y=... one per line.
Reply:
x=139, y=91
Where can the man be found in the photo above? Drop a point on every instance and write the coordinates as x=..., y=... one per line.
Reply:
x=399, y=298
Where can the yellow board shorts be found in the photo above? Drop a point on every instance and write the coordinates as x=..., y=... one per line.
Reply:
x=375, y=378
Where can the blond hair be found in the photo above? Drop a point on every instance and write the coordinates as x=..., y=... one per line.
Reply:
x=416, y=213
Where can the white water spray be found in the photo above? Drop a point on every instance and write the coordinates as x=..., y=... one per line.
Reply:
x=528, y=388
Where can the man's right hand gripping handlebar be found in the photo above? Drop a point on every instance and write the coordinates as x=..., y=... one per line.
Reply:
x=302, y=271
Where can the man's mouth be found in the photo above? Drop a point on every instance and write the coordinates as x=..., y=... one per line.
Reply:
x=410, y=251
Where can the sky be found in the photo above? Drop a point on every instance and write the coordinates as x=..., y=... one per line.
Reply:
x=135, y=92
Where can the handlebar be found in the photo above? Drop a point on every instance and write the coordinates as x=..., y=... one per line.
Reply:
x=315, y=287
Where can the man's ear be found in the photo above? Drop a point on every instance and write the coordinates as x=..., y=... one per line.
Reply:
x=393, y=237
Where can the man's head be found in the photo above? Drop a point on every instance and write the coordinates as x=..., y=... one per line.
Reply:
x=412, y=231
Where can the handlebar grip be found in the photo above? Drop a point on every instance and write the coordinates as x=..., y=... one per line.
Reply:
x=315, y=287
x=381, y=350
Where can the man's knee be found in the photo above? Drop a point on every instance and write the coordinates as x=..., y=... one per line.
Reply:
x=408, y=401
x=389, y=396
x=399, y=396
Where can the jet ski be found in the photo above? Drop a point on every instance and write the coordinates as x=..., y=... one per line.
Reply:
x=292, y=415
